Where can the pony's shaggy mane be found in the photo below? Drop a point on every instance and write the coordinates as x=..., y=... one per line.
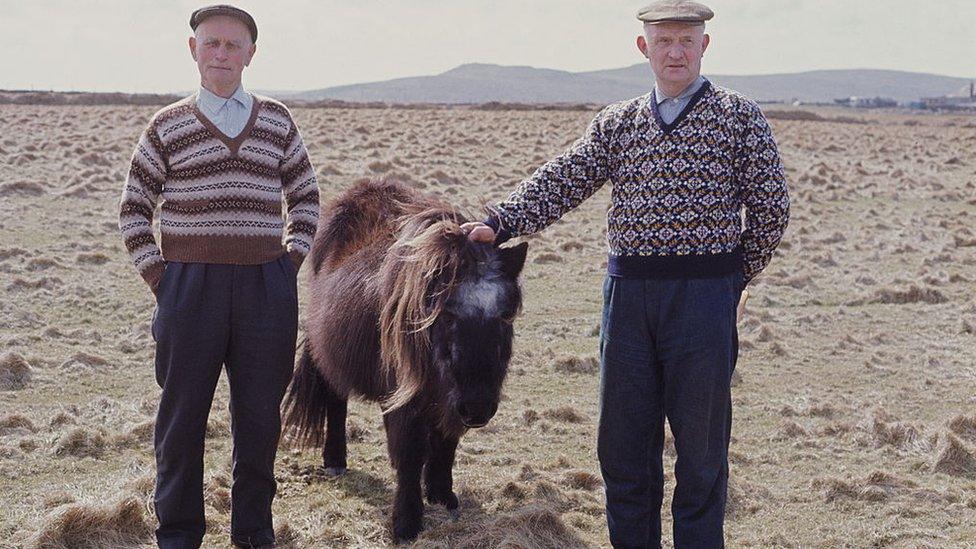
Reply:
x=419, y=273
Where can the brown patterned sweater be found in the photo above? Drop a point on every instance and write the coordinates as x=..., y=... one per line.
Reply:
x=221, y=197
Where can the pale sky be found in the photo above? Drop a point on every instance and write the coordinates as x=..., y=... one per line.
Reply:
x=140, y=45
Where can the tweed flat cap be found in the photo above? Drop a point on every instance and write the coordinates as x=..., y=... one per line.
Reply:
x=675, y=11
x=225, y=9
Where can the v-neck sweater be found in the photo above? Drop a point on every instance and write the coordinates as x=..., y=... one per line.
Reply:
x=229, y=114
x=221, y=197
x=678, y=189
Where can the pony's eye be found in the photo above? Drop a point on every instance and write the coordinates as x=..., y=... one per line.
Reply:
x=447, y=315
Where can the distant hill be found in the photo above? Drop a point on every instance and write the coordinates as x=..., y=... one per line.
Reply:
x=481, y=83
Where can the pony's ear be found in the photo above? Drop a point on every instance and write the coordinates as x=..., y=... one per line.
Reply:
x=513, y=259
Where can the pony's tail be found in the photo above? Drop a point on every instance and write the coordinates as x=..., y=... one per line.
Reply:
x=305, y=406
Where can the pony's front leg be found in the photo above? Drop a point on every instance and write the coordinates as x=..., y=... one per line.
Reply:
x=406, y=436
x=438, y=472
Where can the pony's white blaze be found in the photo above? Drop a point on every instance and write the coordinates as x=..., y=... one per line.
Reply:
x=481, y=298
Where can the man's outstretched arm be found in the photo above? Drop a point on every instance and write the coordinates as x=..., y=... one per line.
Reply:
x=557, y=187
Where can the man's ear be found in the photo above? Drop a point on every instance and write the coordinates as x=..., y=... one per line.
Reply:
x=642, y=45
x=193, y=47
x=705, y=40
x=254, y=48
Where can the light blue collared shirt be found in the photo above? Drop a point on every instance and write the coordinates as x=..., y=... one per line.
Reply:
x=230, y=115
x=670, y=107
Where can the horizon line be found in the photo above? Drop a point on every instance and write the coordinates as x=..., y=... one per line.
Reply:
x=294, y=91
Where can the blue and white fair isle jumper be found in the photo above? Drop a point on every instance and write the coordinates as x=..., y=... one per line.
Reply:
x=678, y=189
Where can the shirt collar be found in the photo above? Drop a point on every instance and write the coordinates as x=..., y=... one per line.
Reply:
x=212, y=102
x=692, y=88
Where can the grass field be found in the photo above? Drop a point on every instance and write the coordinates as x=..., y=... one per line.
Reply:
x=854, y=400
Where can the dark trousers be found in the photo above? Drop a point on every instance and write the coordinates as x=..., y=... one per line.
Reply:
x=668, y=349
x=208, y=316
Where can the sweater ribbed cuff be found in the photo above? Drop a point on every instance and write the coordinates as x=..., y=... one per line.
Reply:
x=153, y=274
x=502, y=234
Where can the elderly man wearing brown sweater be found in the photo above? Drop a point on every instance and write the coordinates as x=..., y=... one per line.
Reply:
x=224, y=275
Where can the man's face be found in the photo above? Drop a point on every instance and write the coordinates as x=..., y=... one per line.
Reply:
x=221, y=47
x=675, y=51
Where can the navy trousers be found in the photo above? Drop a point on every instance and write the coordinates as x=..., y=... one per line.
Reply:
x=667, y=349
x=243, y=318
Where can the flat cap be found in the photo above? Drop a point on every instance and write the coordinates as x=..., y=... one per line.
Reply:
x=225, y=9
x=675, y=11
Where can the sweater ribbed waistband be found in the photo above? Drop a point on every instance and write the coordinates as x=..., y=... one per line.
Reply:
x=675, y=266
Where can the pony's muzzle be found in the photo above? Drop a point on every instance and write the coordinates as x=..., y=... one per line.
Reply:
x=476, y=414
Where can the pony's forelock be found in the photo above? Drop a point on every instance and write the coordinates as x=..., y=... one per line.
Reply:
x=420, y=273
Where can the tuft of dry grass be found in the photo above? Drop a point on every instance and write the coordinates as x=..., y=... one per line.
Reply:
x=876, y=487
x=93, y=258
x=217, y=428
x=61, y=419
x=216, y=493
x=745, y=498
x=577, y=365
x=28, y=445
x=85, y=526
x=81, y=443
x=547, y=258
x=286, y=537
x=531, y=527
x=954, y=458
x=582, y=480
x=12, y=423
x=964, y=426
x=914, y=294
x=514, y=491
x=15, y=372
x=85, y=360
x=566, y=414
x=144, y=431
x=791, y=429
x=896, y=434
x=142, y=485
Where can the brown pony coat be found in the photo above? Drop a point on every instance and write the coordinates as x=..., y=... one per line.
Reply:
x=375, y=261
x=404, y=310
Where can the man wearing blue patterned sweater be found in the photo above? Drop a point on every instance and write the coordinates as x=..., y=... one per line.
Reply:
x=684, y=160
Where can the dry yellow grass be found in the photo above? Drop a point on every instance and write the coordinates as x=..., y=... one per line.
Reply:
x=854, y=422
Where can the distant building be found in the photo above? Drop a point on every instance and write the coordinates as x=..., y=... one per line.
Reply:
x=867, y=102
x=964, y=99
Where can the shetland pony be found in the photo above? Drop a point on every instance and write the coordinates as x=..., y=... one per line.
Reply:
x=406, y=311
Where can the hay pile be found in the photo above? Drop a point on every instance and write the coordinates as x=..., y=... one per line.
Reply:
x=527, y=528
x=15, y=372
x=84, y=526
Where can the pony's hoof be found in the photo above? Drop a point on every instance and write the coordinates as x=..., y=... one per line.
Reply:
x=447, y=499
x=406, y=531
x=455, y=513
x=335, y=471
